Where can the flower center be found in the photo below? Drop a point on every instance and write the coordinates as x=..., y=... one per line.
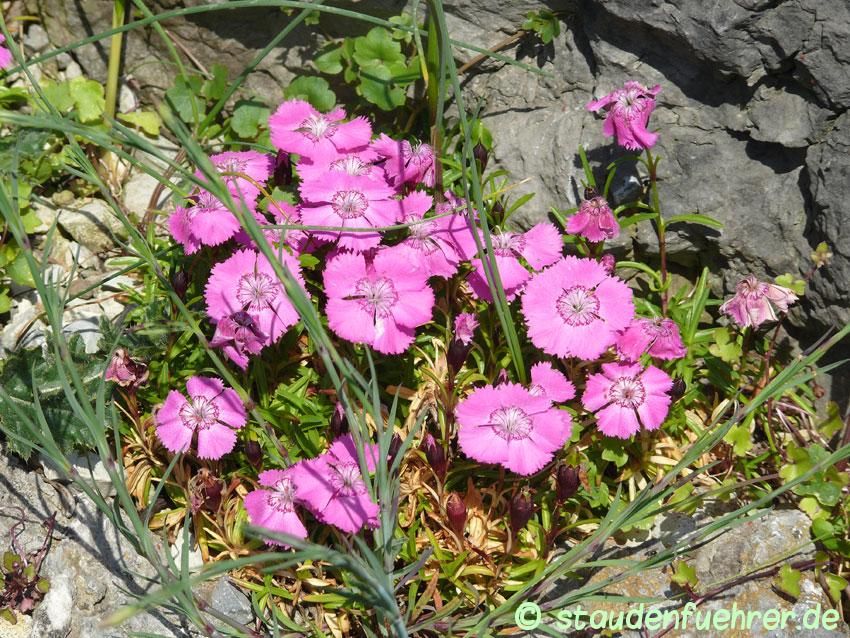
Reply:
x=346, y=480
x=282, y=497
x=317, y=127
x=578, y=306
x=199, y=413
x=752, y=288
x=505, y=244
x=256, y=291
x=416, y=153
x=352, y=165
x=207, y=203
x=657, y=327
x=376, y=295
x=233, y=165
x=627, y=392
x=629, y=103
x=511, y=423
x=595, y=207
x=349, y=204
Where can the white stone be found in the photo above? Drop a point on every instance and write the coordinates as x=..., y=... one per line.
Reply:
x=127, y=100
x=73, y=70
x=93, y=224
x=36, y=38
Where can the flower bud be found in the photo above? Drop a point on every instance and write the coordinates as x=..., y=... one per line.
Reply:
x=456, y=513
x=254, y=453
x=395, y=446
x=502, y=378
x=566, y=482
x=677, y=391
x=520, y=510
x=590, y=192
x=339, y=422
x=180, y=283
x=435, y=455
x=480, y=153
x=282, y=169
x=126, y=371
x=608, y=262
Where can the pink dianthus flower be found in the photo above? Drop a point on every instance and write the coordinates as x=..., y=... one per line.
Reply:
x=246, y=282
x=548, y=382
x=359, y=164
x=754, y=301
x=465, y=325
x=5, y=54
x=211, y=411
x=511, y=426
x=540, y=247
x=283, y=213
x=273, y=505
x=250, y=164
x=296, y=127
x=333, y=489
x=406, y=163
x=348, y=201
x=659, y=337
x=624, y=397
x=574, y=308
x=239, y=336
x=379, y=303
x=627, y=115
x=207, y=222
x=594, y=220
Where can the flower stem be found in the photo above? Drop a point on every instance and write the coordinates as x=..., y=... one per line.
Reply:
x=652, y=165
x=119, y=11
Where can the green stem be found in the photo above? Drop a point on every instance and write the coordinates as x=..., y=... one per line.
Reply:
x=652, y=164
x=119, y=12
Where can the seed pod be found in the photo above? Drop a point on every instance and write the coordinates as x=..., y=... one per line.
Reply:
x=456, y=513
x=566, y=482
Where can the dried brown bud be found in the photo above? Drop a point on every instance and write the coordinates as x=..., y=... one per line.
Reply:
x=125, y=371
x=521, y=509
x=566, y=482
x=677, y=391
x=456, y=513
x=435, y=455
x=205, y=491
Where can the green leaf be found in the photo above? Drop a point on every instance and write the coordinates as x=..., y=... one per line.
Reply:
x=331, y=61
x=249, y=117
x=88, y=98
x=19, y=272
x=5, y=301
x=725, y=346
x=183, y=95
x=377, y=48
x=833, y=422
x=377, y=86
x=704, y=220
x=634, y=219
x=148, y=121
x=544, y=23
x=614, y=451
x=788, y=280
x=684, y=574
x=740, y=440
x=314, y=89
x=215, y=88
x=835, y=584
x=58, y=94
x=828, y=494
x=788, y=581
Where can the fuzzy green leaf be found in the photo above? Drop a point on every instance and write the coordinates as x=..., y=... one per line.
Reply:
x=315, y=90
x=148, y=121
x=788, y=581
x=249, y=117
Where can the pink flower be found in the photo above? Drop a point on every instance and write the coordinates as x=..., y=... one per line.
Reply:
x=246, y=282
x=575, y=309
x=359, y=164
x=256, y=167
x=754, y=301
x=465, y=325
x=594, y=220
x=125, y=371
x=433, y=242
x=283, y=214
x=5, y=54
x=239, y=336
x=624, y=397
x=509, y=425
x=274, y=508
x=540, y=247
x=381, y=303
x=627, y=115
x=348, y=201
x=212, y=411
x=550, y=383
x=659, y=337
x=406, y=163
x=296, y=127
x=333, y=489
x=206, y=223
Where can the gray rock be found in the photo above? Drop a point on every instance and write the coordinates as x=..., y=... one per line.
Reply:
x=36, y=38
x=230, y=601
x=785, y=118
x=88, y=466
x=93, y=224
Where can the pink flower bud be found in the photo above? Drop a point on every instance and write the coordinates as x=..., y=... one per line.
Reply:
x=456, y=513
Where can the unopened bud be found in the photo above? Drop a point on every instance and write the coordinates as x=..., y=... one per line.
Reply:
x=395, y=446
x=590, y=192
x=282, y=169
x=435, y=455
x=456, y=513
x=521, y=509
x=608, y=262
x=480, y=153
x=502, y=378
x=339, y=422
x=254, y=453
x=180, y=283
x=566, y=482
